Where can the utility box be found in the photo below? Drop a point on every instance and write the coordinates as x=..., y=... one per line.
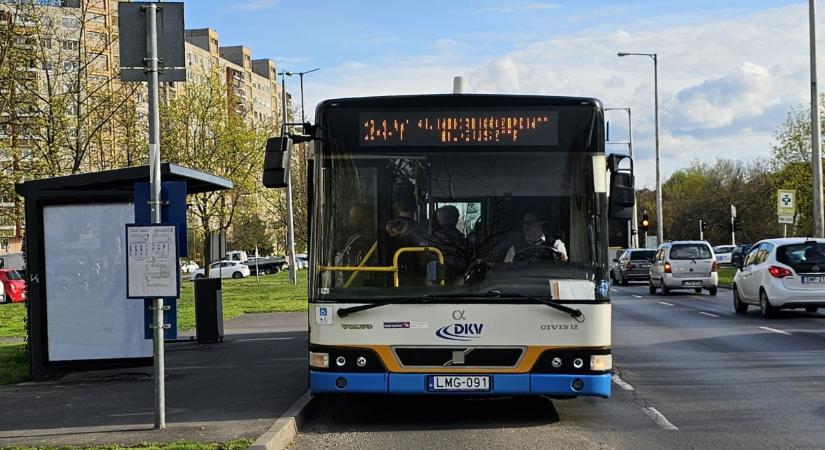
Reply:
x=208, y=310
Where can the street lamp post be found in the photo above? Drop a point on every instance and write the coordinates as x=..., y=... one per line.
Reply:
x=659, y=215
x=301, y=75
x=819, y=215
x=290, y=225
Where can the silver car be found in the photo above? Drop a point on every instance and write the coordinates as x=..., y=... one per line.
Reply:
x=684, y=265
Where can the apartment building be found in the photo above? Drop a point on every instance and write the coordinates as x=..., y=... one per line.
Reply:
x=252, y=87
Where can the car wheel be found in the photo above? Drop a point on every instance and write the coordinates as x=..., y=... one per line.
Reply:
x=651, y=288
x=237, y=275
x=712, y=291
x=811, y=309
x=738, y=306
x=624, y=281
x=766, y=309
x=665, y=289
x=612, y=276
x=697, y=290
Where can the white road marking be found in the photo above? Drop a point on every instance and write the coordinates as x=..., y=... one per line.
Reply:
x=264, y=339
x=614, y=290
x=666, y=303
x=775, y=330
x=708, y=314
x=659, y=418
x=621, y=383
x=637, y=296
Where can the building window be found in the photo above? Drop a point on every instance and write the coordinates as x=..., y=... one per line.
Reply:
x=68, y=44
x=98, y=19
x=71, y=22
x=46, y=43
x=71, y=66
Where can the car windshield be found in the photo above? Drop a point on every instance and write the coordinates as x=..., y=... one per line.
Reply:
x=13, y=275
x=803, y=257
x=690, y=251
x=642, y=255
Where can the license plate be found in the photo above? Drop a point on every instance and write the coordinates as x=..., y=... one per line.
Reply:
x=692, y=284
x=458, y=383
x=806, y=280
x=645, y=266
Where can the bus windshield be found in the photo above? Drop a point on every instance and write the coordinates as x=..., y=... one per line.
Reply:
x=399, y=224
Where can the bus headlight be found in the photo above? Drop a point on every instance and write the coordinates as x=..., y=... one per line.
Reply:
x=320, y=360
x=601, y=362
x=340, y=361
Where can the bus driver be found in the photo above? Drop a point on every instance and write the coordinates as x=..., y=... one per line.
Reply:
x=534, y=245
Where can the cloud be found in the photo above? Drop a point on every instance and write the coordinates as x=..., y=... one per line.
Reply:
x=516, y=8
x=255, y=5
x=725, y=83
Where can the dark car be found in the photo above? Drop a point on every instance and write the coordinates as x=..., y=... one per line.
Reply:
x=739, y=253
x=634, y=265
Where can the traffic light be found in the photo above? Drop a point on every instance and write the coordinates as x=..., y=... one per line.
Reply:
x=645, y=222
x=704, y=225
x=736, y=225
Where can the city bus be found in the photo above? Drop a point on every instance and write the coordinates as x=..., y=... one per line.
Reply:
x=458, y=245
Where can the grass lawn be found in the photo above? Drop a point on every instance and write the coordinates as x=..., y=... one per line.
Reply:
x=274, y=293
x=726, y=276
x=12, y=320
x=14, y=366
x=231, y=445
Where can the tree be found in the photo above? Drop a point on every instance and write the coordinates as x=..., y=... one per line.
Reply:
x=198, y=131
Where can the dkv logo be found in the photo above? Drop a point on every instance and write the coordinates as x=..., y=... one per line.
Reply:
x=460, y=331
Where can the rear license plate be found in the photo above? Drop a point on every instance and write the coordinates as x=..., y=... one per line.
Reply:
x=691, y=284
x=458, y=383
x=819, y=279
x=645, y=266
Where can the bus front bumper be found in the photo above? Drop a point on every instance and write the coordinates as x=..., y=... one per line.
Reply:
x=501, y=384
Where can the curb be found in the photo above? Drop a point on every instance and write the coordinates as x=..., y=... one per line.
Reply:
x=285, y=428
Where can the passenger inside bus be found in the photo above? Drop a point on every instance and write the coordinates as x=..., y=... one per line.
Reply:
x=450, y=240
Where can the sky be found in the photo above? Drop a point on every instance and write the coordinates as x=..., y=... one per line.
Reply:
x=729, y=71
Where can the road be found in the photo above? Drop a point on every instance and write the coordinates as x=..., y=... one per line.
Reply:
x=690, y=373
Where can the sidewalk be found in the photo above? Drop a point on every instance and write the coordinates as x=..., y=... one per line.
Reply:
x=214, y=393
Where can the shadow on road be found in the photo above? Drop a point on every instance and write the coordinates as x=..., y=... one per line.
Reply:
x=400, y=413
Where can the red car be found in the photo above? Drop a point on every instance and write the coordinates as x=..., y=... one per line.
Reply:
x=14, y=286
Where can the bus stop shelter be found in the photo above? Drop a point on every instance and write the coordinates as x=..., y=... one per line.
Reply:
x=78, y=315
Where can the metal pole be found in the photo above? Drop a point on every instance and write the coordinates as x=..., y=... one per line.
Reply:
x=633, y=227
x=659, y=213
x=819, y=215
x=701, y=233
x=732, y=225
x=301, y=76
x=293, y=278
x=154, y=172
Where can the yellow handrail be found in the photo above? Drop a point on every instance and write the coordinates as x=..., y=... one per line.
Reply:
x=361, y=264
x=412, y=250
x=393, y=268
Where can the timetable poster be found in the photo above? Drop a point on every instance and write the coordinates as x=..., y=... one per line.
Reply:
x=152, y=261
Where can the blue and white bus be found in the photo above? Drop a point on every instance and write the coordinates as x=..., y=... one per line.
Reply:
x=458, y=245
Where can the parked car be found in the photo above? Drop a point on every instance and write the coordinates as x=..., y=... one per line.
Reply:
x=189, y=267
x=614, y=264
x=634, y=265
x=684, y=265
x=723, y=253
x=222, y=269
x=739, y=254
x=301, y=261
x=781, y=274
x=14, y=286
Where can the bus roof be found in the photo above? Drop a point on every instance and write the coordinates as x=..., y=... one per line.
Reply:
x=457, y=100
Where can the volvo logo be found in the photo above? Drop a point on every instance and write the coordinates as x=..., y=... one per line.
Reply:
x=459, y=315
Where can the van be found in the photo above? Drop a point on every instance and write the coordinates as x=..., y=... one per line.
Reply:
x=684, y=265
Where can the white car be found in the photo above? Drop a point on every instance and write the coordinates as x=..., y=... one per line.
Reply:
x=781, y=274
x=684, y=265
x=223, y=269
x=189, y=267
x=723, y=253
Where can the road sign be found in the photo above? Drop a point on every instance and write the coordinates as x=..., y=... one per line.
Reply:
x=787, y=219
x=785, y=203
x=170, y=41
x=152, y=261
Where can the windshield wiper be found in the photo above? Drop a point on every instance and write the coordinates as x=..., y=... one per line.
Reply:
x=575, y=313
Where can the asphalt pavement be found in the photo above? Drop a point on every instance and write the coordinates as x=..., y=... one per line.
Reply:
x=214, y=393
x=689, y=373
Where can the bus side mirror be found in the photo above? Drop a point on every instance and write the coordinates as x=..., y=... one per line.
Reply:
x=276, y=162
x=622, y=195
